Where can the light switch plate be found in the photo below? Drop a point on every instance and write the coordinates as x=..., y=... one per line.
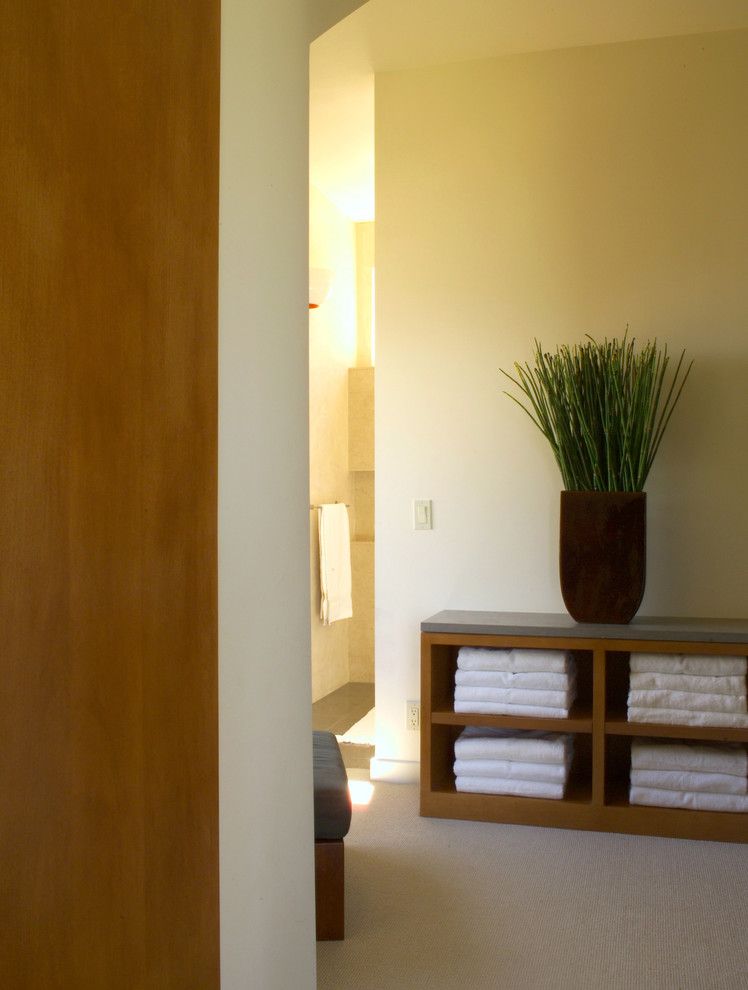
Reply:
x=422, y=515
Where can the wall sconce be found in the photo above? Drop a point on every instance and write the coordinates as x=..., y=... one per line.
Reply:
x=320, y=280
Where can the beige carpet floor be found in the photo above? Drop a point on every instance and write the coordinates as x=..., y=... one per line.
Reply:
x=444, y=904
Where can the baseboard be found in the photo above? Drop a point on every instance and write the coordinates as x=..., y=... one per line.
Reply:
x=395, y=771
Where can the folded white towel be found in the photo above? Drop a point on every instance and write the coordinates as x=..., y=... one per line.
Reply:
x=498, y=785
x=515, y=696
x=334, y=563
x=509, y=744
x=550, y=773
x=728, y=758
x=724, y=684
x=687, y=780
x=690, y=701
x=687, y=799
x=675, y=663
x=516, y=661
x=533, y=711
x=678, y=716
x=538, y=681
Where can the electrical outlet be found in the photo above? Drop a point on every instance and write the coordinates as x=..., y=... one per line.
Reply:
x=413, y=715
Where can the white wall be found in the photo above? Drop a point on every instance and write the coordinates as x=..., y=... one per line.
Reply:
x=265, y=766
x=266, y=831
x=545, y=196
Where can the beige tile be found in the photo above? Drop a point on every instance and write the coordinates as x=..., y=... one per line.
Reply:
x=356, y=757
x=363, y=504
x=361, y=632
x=342, y=708
x=361, y=419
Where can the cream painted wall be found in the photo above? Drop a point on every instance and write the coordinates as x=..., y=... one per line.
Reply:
x=365, y=293
x=332, y=351
x=548, y=195
x=266, y=817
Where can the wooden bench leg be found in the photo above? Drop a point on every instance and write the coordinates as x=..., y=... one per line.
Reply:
x=329, y=881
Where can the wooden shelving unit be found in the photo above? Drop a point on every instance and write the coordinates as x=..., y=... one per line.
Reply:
x=597, y=792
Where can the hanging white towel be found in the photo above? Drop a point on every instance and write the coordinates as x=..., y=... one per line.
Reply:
x=334, y=563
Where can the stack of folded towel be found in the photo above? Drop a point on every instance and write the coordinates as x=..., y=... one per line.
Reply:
x=537, y=683
x=688, y=690
x=505, y=761
x=684, y=775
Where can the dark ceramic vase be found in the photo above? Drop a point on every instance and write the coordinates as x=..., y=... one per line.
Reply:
x=603, y=554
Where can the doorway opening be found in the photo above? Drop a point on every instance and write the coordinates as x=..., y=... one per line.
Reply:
x=341, y=470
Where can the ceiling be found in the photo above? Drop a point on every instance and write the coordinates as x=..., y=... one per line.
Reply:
x=386, y=35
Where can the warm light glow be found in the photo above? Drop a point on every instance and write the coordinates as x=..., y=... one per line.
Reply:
x=373, y=313
x=320, y=280
x=361, y=791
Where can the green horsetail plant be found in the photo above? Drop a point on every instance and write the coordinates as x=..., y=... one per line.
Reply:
x=603, y=408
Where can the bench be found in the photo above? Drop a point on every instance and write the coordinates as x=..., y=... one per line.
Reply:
x=332, y=819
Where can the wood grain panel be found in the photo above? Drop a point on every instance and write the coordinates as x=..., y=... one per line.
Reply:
x=598, y=722
x=108, y=693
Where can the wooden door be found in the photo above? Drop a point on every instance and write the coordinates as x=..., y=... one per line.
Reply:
x=108, y=337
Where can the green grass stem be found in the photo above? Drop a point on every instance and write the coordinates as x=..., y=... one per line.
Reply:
x=603, y=407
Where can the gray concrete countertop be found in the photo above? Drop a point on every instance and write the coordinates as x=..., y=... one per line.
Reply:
x=642, y=627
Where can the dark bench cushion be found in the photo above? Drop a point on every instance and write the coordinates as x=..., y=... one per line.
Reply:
x=332, y=800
